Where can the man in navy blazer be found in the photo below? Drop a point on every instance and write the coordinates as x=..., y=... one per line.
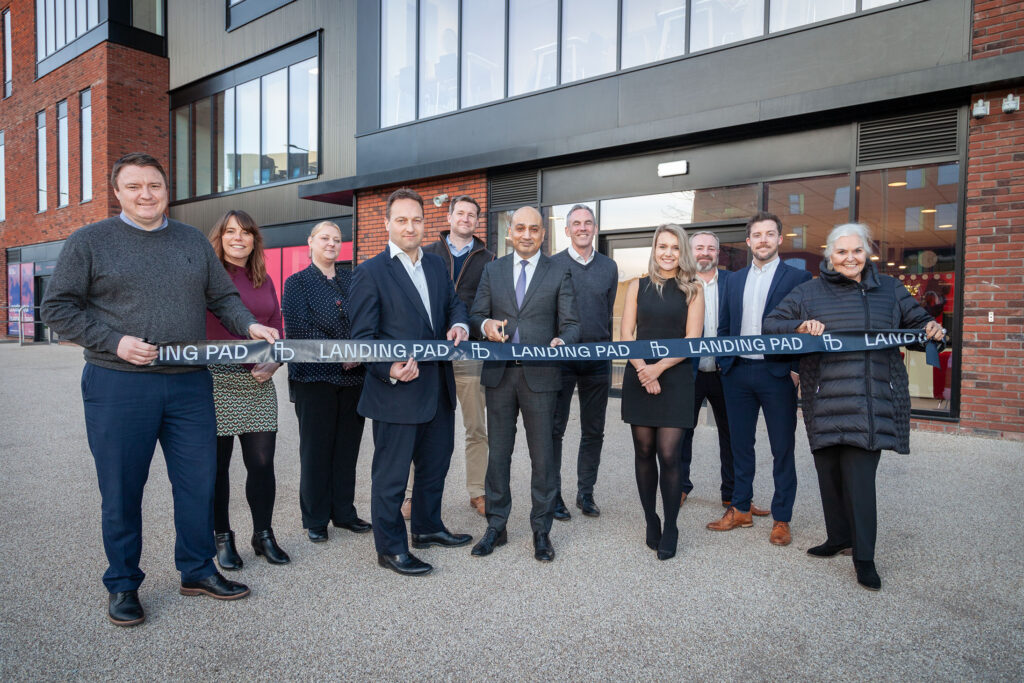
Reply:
x=403, y=293
x=754, y=382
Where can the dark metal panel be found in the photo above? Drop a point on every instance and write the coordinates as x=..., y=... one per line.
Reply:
x=368, y=58
x=251, y=10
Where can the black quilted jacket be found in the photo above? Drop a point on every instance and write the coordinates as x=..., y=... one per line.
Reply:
x=858, y=398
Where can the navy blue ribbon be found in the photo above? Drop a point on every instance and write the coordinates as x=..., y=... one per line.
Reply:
x=381, y=350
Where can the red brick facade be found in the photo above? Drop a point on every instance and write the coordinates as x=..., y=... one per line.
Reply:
x=370, y=234
x=129, y=113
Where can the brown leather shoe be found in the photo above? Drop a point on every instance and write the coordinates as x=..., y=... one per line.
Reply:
x=407, y=508
x=780, y=534
x=682, y=500
x=731, y=519
x=758, y=512
x=479, y=504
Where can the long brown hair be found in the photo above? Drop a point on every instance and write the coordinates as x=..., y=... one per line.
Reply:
x=686, y=273
x=256, y=264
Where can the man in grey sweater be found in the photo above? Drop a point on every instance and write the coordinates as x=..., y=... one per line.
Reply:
x=120, y=287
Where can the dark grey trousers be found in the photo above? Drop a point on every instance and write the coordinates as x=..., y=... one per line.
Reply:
x=846, y=478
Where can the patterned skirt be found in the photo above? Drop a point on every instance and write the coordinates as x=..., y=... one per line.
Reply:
x=243, y=405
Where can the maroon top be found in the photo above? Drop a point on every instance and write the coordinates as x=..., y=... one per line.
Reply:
x=262, y=303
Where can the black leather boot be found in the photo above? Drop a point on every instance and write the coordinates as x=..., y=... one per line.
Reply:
x=227, y=556
x=264, y=543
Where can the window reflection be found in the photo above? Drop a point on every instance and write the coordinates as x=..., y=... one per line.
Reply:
x=790, y=13
x=204, y=172
x=439, y=60
x=720, y=22
x=182, y=148
x=274, y=122
x=483, y=51
x=532, y=45
x=809, y=208
x=588, y=38
x=224, y=103
x=303, y=116
x=652, y=30
x=398, y=62
x=686, y=207
x=247, y=138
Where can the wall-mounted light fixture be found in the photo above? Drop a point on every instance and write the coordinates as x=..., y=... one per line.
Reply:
x=670, y=168
x=980, y=109
x=1011, y=103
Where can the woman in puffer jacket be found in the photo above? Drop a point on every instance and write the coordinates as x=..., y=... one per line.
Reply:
x=855, y=404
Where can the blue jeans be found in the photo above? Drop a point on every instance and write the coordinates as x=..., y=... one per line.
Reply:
x=126, y=413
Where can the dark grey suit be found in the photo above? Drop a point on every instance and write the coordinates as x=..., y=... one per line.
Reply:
x=548, y=311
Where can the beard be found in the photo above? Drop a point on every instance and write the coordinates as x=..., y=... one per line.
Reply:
x=706, y=266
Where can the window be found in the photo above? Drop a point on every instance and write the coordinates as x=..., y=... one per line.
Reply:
x=398, y=62
x=41, y=160
x=5, y=18
x=3, y=180
x=720, y=22
x=483, y=51
x=63, y=182
x=85, y=99
x=439, y=56
x=532, y=45
x=683, y=208
x=60, y=22
x=809, y=209
x=588, y=38
x=789, y=13
x=148, y=15
x=652, y=30
x=260, y=131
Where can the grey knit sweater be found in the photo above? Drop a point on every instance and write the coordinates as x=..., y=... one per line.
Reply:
x=113, y=280
x=596, y=284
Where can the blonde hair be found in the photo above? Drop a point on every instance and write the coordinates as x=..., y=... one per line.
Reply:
x=686, y=272
x=316, y=229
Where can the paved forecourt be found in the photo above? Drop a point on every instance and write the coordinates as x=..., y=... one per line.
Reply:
x=728, y=606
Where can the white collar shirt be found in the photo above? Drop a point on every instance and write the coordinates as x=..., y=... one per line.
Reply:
x=531, y=268
x=755, y=296
x=416, y=274
x=578, y=258
x=707, y=363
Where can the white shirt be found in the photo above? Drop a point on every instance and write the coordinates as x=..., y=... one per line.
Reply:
x=579, y=258
x=418, y=277
x=707, y=363
x=755, y=296
x=531, y=268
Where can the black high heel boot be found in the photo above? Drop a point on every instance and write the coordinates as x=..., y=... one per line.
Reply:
x=653, y=532
x=667, y=547
x=227, y=556
x=264, y=543
x=867, y=576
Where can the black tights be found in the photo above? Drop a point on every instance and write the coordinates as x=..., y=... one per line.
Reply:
x=654, y=447
x=260, y=485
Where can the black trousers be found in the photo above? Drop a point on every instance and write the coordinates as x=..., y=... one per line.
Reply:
x=330, y=431
x=709, y=385
x=594, y=379
x=846, y=478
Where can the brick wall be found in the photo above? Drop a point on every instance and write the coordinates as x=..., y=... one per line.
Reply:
x=129, y=113
x=998, y=27
x=370, y=234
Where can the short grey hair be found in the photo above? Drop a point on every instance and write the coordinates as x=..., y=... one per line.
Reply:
x=848, y=230
x=705, y=232
x=578, y=207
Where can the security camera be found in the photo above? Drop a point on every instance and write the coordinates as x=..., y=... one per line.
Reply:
x=440, y=199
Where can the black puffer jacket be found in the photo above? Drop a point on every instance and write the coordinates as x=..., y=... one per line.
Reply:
x=858, y=398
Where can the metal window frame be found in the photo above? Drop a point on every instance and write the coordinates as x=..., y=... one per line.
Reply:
x=41, y=163
x=64, y=162
x=83, y=141
x=7, y=36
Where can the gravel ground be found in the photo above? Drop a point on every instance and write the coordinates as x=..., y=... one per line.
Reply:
x=727, y=607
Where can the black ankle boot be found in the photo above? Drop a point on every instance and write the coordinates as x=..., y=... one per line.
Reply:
x=667, y=546
x=653, y=532
x=227, y=556
x=866, y=574
x=264, y=543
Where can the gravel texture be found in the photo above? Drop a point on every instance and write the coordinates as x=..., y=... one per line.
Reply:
x=729, y=606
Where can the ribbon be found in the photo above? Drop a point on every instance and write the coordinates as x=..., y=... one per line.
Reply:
x=388, y=350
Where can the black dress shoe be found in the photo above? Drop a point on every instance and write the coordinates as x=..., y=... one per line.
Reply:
x=866, y=575
x=654, y=532
x=216, y=586
x=355, y=525
x=667, y=545
x=827, y=549
x=492, y=538
x=585, y=502
x=317, y=534
x=264, y=543
x=442, y=538
x=561, y=512
x=227, y=556
x=406, y=564
x=542, y=549
x=124, y=609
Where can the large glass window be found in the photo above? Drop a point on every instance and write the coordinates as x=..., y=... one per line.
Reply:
x=532, y=45
x=483, y=51
x=85, y=100
x=3, y=179
x=247, y=139
x=224, y=103
x=398, y=62
x=684, y=208
x=181, y=130
x=60, y=22
x=439, y=56
x=202, y=118
x=588, y=38
x=652, y=30
x=789, y=13
x=148, y=15
x=41, y=161
x=303, y=117
x=809, y=208
x=720, y=22
x=274, y=121
x=5, y=18
x=63, y=181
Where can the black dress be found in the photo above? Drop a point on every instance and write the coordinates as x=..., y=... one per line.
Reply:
x=660, y=316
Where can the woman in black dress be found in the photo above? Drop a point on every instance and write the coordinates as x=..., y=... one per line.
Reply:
x=657, y=395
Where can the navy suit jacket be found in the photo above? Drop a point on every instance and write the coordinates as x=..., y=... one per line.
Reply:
x=386, y=305
x=723, y=275
x=730, y=311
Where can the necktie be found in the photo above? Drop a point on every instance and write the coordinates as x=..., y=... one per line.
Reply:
x=520, y=294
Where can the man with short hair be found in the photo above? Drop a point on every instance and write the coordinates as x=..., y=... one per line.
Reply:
x=754, y=382
x=465, y=255
x=122, y=286
x=403, y=293
x=524, y=297
x=596, y=277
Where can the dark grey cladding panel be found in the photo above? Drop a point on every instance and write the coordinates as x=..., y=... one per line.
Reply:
x=731, y=163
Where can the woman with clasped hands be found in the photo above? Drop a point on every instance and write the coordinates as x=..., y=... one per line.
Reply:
x=244, y=395
x=316, y=306
x=657, y=395
x=855, y=404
